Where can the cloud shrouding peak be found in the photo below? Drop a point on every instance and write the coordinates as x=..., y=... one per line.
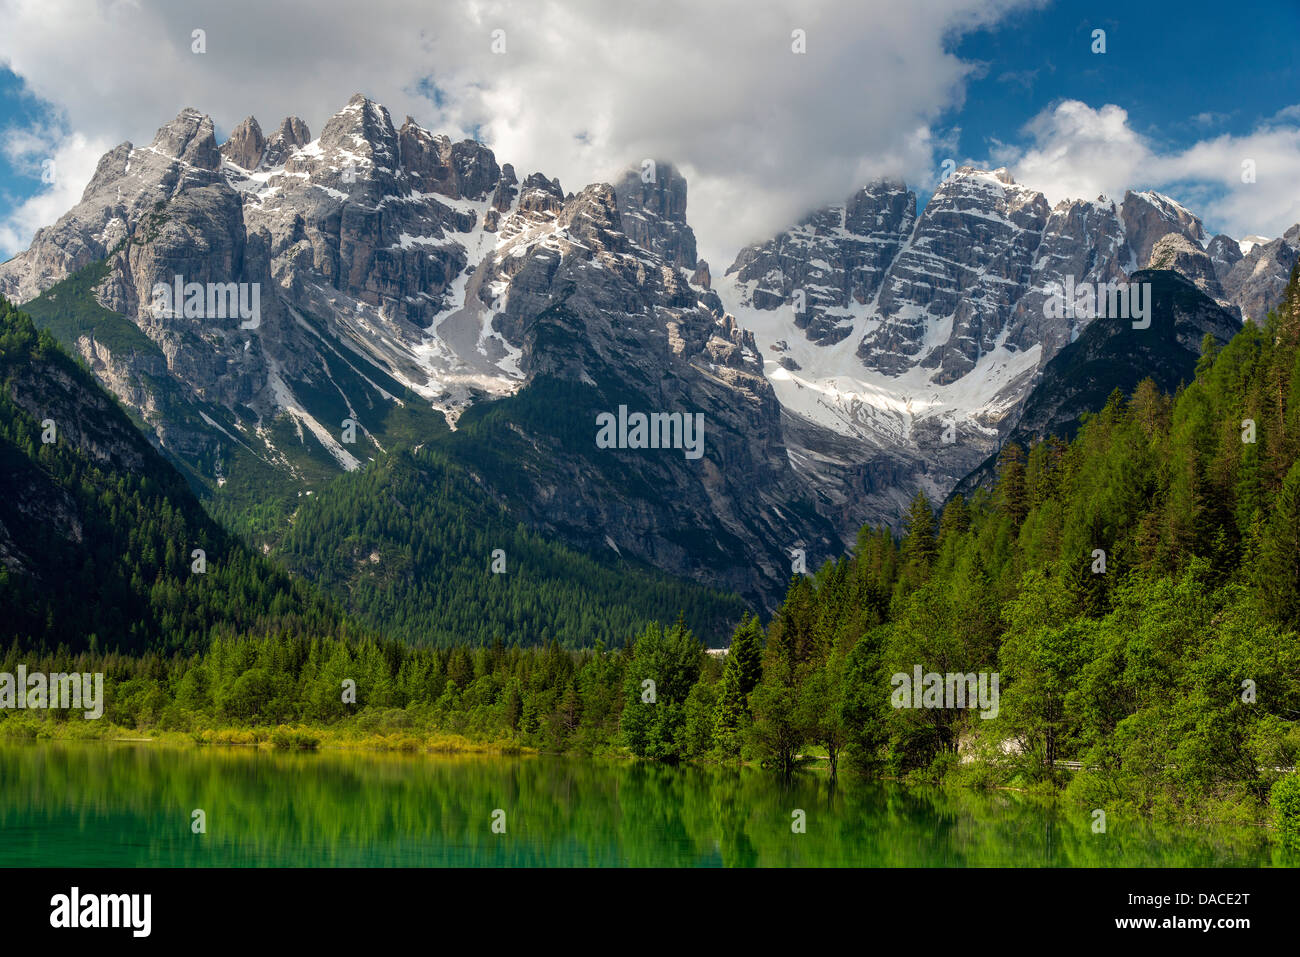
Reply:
x=583, y=88
x=1237, y=184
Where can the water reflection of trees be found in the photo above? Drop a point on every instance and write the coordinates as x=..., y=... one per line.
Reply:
x=356, y=809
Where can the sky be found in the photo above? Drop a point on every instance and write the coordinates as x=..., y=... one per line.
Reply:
x=771, y=109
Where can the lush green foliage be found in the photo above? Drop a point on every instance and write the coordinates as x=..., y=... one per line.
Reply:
x=101, y=557
x=1286, y=808
x=407, y=544
x=547, y=697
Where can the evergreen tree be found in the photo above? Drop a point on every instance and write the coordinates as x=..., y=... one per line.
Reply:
x=1013, y=494
x=740, y=675
x=919, y=545
x=1277, y=571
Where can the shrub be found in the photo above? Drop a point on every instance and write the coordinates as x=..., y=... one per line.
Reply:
x=293, y=739
x=1285, y=798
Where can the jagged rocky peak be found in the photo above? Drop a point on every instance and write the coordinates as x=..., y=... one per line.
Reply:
x=189, y=138
x=475, y=166
x=1256, y=279
x=593, y=216
x=1149, y=217
x=885, y=207
x=506, y=188
x=831, y=264
x=503, y=198
x=652, y=201
x=969, y=258
x=246, y=145
x=540, y=197
x=434, y=164
x=1175, y=251
x=362, y=132
x=1082, y=240
x=966, y=179
x=111, y=166
x=1224, y=252
x=129, y=184
x=292, y=134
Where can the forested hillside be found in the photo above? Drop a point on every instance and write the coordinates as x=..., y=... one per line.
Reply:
x=99, y=536
x=417, y=549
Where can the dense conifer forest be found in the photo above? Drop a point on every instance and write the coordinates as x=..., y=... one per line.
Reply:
x=98, y=555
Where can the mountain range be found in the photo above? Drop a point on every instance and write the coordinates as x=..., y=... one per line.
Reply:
x=413, y=297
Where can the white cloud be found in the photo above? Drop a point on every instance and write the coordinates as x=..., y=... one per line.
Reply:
x=65, y=161
x=585, y=87
x=1076, y=151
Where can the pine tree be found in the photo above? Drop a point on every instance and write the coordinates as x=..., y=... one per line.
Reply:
x=919, y=546
x=740, y=675
x=1277, y=570
x=1013, y=493
x=954, y=521
x=746, y=654
x=1209, y=349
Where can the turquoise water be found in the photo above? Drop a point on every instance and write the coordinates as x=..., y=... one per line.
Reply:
x=122, y=805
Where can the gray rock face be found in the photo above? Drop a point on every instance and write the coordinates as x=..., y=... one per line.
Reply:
x=1175, y=251
x=246, y=145
x=1224, y=253
x=927, y=369
x=349, y=257
x=1082, y=241
x=652, y=206
x=977, y=267
x=832, y=263
x=969, y=258
x=128, y=187
x=434, y=164
x=1148, y=218
x=361, y=208
x=293, y=133
x=1255, y=282
x=190, y=139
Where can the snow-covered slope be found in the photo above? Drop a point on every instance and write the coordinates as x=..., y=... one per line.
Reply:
x=908, y=364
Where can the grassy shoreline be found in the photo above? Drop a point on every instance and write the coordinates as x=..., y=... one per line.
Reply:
x=297, y=737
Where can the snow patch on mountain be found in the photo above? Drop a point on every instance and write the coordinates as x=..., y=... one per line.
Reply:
x=829, y=385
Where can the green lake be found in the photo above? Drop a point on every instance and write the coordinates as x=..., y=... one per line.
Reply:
x=124, y=805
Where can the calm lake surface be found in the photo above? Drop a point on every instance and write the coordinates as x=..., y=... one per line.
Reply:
x=122, y=805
